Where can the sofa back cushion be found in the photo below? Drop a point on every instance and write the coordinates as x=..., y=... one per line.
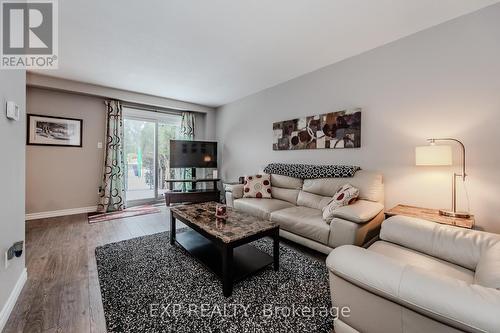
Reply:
x=369, y=183
x=456, y=245
x=286, y=188
x=488, y=268
x=285, y=194
x=312, y=200
x=286, y=182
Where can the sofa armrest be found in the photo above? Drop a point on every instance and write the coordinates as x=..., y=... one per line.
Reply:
x=235, y=189
x=448, y=300
x=229, y=199
x=457, y=245
x=232, y=192
x=367, y=269
x=361, y=211
x=344, y=232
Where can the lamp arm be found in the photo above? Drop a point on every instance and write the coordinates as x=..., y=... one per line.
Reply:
x=463, y=175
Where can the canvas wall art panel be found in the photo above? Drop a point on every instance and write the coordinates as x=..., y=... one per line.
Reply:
x=334, y=130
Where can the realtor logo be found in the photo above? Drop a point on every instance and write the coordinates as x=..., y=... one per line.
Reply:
x=29, y=34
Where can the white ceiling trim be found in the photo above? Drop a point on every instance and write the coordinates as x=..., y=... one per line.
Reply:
x=53, y=83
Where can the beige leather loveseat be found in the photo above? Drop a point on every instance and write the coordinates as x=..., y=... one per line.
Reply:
x=420, y=277
x=296, y=205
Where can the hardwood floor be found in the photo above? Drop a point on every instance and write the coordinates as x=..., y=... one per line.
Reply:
x=62, y=293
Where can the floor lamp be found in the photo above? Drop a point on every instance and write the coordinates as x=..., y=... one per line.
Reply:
x=433, y=155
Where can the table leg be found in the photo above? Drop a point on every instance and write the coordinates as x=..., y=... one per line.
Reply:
x=227, y=270
x=276, y=250
x=172, y=229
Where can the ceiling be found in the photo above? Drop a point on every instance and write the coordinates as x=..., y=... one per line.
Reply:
x=215, y=52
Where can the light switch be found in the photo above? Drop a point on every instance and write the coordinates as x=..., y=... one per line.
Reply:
x=99, y=145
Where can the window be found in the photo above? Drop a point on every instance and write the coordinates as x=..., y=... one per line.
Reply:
x=147, y=142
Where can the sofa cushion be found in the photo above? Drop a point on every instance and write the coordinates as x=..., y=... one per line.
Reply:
x=457, y=245
x=324, y=186
x=488, y=268
x=286, y=182
x=261, y=208
x=346, y=195
x=285, y=194
x=257, y=186
x=311, y=200
x=360, y=211
x=468, y=307
x=414, y=258
x=369, y=183
x=304, y=221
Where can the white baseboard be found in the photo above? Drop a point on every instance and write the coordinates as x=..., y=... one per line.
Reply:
x=63, y=212
x=11, y=301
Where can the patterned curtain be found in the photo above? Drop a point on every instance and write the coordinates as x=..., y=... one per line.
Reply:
x=112, y=191
x=187, y=126
x=186, y=133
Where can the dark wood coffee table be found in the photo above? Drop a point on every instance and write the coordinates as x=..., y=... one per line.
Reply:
x=223, y=246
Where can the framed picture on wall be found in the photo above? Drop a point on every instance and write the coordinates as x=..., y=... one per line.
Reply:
x=54, y=131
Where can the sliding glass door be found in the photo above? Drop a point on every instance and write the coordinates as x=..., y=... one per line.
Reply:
x=140, y=159
x=167, y=131
x=147, y=142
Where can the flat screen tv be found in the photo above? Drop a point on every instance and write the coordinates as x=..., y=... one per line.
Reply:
x=193, y=154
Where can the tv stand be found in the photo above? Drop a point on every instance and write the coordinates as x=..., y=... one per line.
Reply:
x=192, y=196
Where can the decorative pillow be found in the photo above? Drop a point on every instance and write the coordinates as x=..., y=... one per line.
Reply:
x=258, y=186
x=344, y=196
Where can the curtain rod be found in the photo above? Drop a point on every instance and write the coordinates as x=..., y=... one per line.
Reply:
x=152, y=108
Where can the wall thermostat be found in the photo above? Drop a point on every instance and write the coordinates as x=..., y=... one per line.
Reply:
x=12, y=111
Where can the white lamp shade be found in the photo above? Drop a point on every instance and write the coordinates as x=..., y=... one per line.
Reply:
x=433, y=155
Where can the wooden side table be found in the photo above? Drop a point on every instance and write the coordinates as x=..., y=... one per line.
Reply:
x=430, y=215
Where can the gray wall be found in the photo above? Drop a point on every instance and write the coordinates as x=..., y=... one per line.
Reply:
x=59, y=178
x=12, y=144
x=65, y=177
x=444, y=81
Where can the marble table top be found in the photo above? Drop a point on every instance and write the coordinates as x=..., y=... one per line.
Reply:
x=238, y=225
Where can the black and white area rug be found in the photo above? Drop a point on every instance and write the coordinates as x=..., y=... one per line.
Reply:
x=147, y=285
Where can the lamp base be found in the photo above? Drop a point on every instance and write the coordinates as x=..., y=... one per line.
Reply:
x=450, y=213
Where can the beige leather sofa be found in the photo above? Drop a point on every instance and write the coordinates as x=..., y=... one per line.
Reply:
x=420, y=277
x=296, y=206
